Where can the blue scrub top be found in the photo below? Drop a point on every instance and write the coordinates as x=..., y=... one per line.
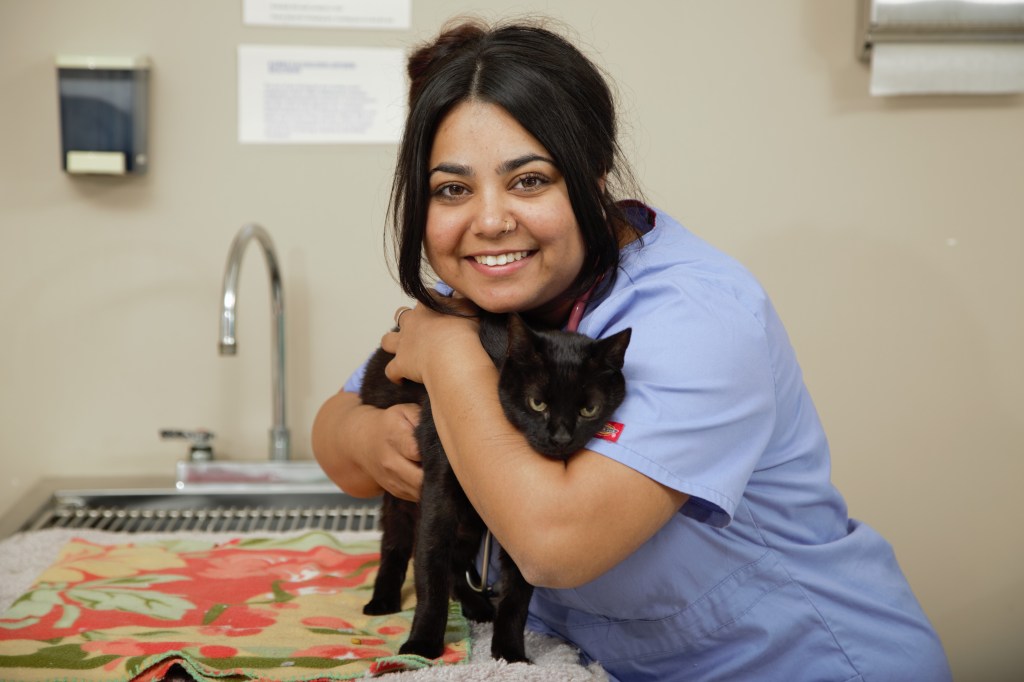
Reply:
x=761, y=575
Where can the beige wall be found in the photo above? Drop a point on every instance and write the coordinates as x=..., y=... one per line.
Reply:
x=889, y=234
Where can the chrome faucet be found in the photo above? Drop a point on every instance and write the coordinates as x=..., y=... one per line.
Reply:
x=279, y=437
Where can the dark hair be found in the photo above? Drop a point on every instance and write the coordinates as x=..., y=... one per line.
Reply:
x=553, y=91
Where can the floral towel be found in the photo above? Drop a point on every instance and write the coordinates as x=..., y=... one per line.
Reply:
x=287, y=609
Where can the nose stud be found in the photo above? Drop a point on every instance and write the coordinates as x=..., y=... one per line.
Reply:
x=509, y=226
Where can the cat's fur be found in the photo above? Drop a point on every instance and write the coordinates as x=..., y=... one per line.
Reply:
x=546, y=379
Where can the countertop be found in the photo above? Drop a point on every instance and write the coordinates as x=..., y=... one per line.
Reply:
x=36, y=497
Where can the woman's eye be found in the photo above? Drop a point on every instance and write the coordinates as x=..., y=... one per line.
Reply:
x=450, y=191
x=531, y=181
x=536, y=405
x=588, y=412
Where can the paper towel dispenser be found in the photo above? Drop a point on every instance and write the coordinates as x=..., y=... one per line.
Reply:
x=942, y=46
x=938, y=21
x=104, y=106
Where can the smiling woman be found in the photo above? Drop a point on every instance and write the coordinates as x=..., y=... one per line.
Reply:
x=697, y=535
x=555, y=124
x=500, y=226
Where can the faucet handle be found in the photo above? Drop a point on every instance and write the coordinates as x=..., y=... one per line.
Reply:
x=200, y=445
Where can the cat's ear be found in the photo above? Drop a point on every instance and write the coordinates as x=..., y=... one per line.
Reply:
x=520, y=338
x=614, y=347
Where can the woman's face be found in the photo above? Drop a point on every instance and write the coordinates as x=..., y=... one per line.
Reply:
x=487, y=174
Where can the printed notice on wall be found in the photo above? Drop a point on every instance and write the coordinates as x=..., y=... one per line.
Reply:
x=383, y=14
x=320, y=94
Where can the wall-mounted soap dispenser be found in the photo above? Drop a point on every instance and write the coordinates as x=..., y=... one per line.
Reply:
x=104, y=107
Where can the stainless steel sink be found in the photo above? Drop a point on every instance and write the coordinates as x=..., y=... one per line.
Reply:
x=127, y=508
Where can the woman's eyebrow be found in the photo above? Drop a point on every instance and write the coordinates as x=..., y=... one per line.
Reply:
x=519, y=161
x=503, y=168
x=453, y=168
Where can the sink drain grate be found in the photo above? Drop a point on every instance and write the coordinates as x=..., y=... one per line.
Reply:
x=76, y=514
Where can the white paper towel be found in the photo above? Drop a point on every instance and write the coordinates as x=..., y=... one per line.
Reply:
x=947, y=68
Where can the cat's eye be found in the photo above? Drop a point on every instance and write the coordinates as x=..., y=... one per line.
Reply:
x=588, y=412
x=537, y=406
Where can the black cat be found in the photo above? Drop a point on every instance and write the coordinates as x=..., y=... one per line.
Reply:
x=558, y=388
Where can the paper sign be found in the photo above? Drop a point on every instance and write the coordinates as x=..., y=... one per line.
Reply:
x=382, y=14
x=320, y=94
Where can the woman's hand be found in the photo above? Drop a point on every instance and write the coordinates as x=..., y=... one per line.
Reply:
x=422, y=332
x=396, y=465
x=366, y=450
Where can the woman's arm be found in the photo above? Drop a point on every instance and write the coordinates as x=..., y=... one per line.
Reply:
x=366, y=450
x=563, y=523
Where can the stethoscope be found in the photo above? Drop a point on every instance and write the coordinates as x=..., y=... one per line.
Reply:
x=579, y=306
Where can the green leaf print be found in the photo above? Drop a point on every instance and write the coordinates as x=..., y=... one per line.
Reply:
x=281, y=595
x=122, y=594
x=64, y=656
x=309, y=541
x=133, y=665
x=214, y=613
x=143, y=602
x=71, y=614
x=30, y=607
x=135, y=581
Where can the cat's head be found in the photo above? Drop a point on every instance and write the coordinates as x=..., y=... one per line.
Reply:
x=559, y=388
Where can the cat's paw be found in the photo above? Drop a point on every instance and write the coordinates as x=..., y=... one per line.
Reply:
x=510, y=656
x=424, y=648
x=381, y=607
x=478, y=609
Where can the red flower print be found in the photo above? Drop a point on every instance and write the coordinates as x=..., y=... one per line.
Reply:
x=381, y=667
x=368, y=641
x=328, y=623
x=239, y=621
x=238, y=565
x=133, y=647
x=391, y=630
x=341, y=652
x=320, y=570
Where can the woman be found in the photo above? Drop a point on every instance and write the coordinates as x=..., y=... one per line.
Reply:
x=700, y=537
